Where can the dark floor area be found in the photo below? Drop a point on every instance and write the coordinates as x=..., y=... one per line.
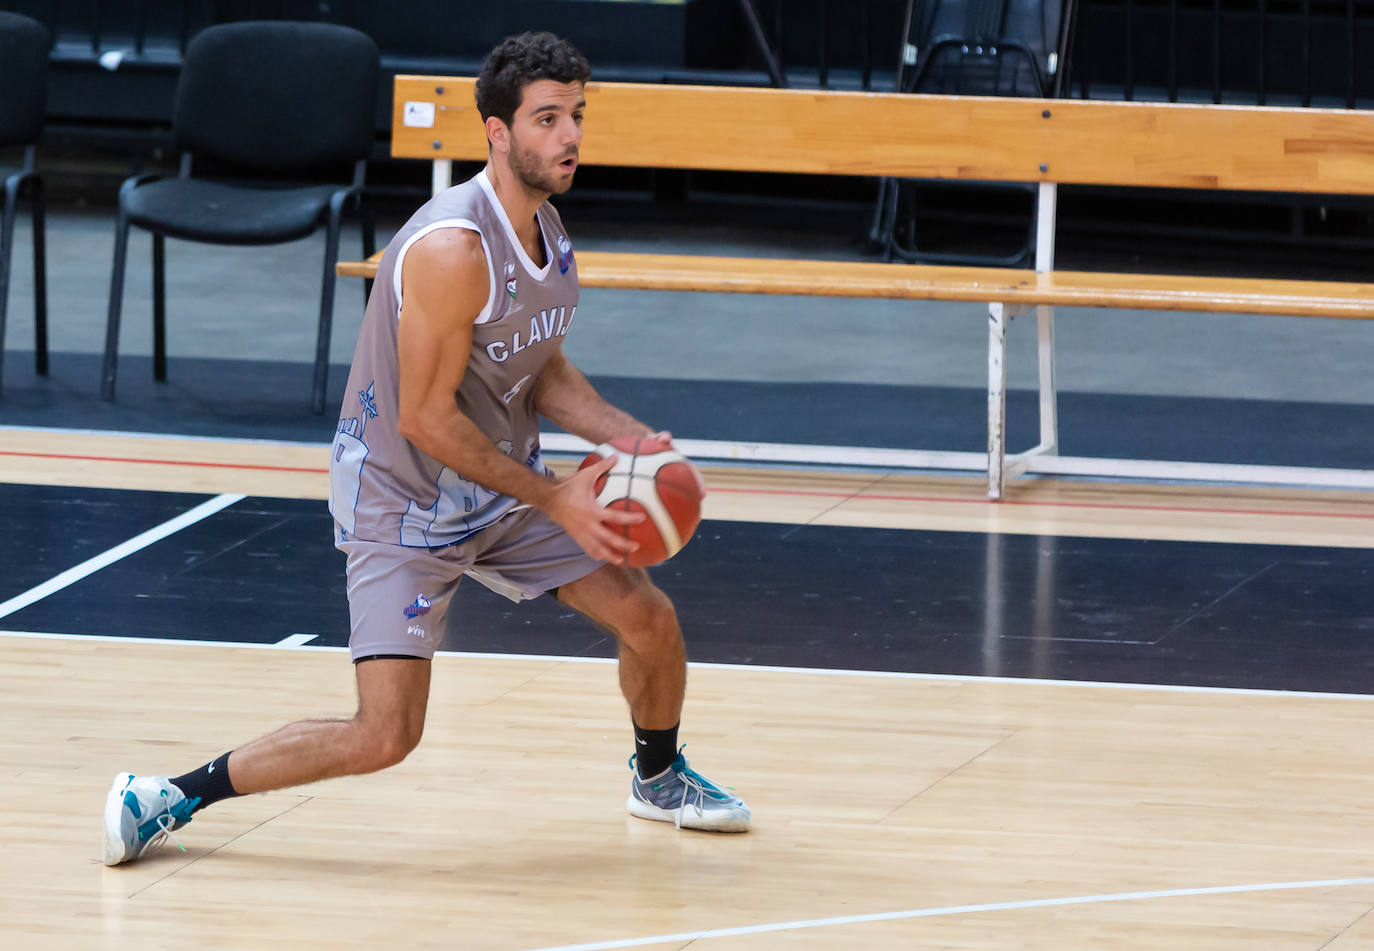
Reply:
x=1252, y=616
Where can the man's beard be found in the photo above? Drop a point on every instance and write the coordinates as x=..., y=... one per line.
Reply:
x=526, y=165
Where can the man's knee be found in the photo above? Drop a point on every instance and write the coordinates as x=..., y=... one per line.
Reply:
x=628, y=604
x=380, y=746
x=652, y=621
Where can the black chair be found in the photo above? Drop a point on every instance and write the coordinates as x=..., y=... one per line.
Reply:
x=972, y=48
x=23, y=99
x=269, y=99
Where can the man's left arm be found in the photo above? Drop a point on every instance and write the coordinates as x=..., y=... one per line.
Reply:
x=566, y=398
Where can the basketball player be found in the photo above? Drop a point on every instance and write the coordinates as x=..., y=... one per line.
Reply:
x=435, y=473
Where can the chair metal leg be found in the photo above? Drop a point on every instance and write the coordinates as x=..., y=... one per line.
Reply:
x=369, y=226
x=331, y=256
x=878, y=231
x=121, y=253
x=159, y=309
x=6, y=249
x=40, y=280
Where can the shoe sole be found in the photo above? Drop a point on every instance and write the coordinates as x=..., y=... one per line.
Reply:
x=112, y=835
x=734, y=822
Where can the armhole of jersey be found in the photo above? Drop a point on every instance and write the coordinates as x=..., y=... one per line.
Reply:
x=465, y=224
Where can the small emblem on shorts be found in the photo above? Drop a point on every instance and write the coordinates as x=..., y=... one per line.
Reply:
x=416, y=630
x=420, y=608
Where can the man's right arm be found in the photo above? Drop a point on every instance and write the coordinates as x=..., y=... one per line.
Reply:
x=444, y=286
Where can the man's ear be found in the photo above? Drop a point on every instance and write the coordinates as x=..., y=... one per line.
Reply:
x=498, y=134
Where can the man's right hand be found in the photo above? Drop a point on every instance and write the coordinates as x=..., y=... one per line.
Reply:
x=573, y=505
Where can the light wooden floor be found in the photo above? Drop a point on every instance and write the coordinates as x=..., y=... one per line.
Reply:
x=975, y=814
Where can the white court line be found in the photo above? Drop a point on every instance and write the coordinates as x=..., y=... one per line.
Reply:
x=172, y=641
x=295, y=640
x=951, y=910
x=287, y=644
x=92, y=565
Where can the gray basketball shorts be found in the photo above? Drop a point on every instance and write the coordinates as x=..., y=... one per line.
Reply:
x=398, y=596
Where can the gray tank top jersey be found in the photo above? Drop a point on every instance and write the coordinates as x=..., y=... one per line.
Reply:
x=381, y=487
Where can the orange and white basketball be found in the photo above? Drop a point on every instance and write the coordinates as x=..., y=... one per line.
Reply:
x=651, y=477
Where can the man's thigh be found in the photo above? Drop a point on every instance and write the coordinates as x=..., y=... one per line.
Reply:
x=393, y=693
x=398, y=596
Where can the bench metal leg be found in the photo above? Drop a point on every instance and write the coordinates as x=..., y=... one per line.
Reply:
x=997, y=397
x=441, y=175
x=1000, y=465
x=1049, y=410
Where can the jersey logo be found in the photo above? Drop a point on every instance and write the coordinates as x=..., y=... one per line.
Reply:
x=510, y=288
x=544, y=325
x=564, y=254
x=368, y=398
x=515, y=390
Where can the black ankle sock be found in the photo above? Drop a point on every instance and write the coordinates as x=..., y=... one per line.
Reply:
x=654, y=750
x=210, y=783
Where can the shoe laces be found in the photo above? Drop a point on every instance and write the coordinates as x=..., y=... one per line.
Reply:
x=159, y=839
x=692, y=781
x=165, y=823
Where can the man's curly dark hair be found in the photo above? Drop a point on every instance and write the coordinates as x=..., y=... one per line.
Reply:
x=520, y=60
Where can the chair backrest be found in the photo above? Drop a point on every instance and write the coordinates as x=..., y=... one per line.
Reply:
x=986, y=47
x=23, y=78
x=276, y=96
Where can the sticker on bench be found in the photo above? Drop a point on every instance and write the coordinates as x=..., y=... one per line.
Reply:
x=419, y=115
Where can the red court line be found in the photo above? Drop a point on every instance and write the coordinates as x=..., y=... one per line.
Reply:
x=792, y=492
x=163, y=462
x=1113, y=506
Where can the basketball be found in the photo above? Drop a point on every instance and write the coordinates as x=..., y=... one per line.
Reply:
x=651, y=477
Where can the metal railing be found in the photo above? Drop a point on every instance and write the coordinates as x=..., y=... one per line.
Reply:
x=1294, y=52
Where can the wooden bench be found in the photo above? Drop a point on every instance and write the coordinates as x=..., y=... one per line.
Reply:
x=1049, y=142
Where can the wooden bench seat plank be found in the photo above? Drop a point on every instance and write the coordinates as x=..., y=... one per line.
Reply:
x=1229, y=295
x=367, y=269
x=679, y=272
x=935, y=282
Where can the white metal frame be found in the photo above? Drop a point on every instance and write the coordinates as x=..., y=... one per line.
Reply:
x=441, y=176
x=1000, y=466
x=1043, y=458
